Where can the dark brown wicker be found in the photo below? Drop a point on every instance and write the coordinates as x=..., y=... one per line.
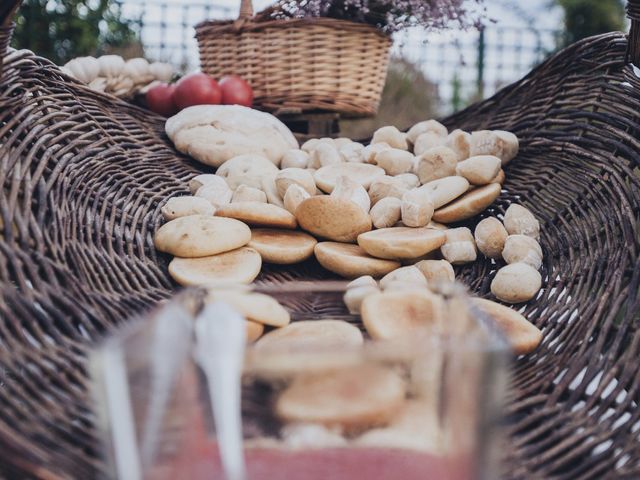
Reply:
x=5, y=39
x=83, y=176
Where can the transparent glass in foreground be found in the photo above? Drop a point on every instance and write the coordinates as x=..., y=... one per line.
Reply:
x=423, y=407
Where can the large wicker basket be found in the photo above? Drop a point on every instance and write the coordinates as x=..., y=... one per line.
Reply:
x=84, y=176
x=299, y=64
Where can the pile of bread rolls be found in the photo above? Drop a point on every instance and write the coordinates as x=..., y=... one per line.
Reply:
x=386, y=210
x=117, y=76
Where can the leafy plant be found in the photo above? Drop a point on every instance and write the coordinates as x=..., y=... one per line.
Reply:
x=584, y=18
x=388, y=15
x=63, y=29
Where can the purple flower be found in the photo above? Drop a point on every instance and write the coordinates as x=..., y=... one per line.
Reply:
x=388, y=15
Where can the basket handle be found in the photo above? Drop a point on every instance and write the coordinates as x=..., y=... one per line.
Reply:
x=633, y=46
x=246, y=10
x=7, y=12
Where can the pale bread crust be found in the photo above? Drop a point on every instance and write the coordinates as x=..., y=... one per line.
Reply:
x=397, y=314
x=351, y=261
x=401, y=242
x=333, y=218
x=238, y=266
x=469, y=205
x=353, y=398
x=258, y=214
x=201, y=235
x=282, y=247
x=523, y=336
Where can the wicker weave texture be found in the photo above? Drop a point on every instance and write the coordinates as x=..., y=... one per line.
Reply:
x=573, y=408
x=301, y=64
x=5, y=39
x=84, y=175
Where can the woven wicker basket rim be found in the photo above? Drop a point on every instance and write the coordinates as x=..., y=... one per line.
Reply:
x=251, y=25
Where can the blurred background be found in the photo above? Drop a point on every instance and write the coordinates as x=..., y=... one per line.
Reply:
x=431, y=74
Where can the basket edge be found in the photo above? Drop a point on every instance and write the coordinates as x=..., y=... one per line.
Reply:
x=233, y=26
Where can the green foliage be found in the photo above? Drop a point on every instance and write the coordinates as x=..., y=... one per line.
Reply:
x=63, y=29
x=584, y=18
x=456, y=99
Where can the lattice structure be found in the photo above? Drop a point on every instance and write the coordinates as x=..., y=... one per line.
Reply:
x=83, y=176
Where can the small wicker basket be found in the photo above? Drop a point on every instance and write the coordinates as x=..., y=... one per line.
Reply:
x=299, y=65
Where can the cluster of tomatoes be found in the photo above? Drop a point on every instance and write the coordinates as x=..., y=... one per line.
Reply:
x=198, y=89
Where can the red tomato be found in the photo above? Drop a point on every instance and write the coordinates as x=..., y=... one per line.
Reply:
x=160, y=100
x=197, y=89
x=236, y=91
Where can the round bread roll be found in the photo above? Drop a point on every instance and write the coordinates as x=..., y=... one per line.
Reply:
x=384, y=187
x=293, y=197
x=395, y=162
x=254, y=331
x=401, y=242
x=521, y=248
x=460, y=142
x=177, y=207
x=437, y=162
x=213, y=134
x=424, y=127
x=257, y=307
x=416, y=208
x=520, y=221
x=205, y=179
x=386, y=213
x=490, y=236
x=351, y=261
x=295, y=159
x=404, y=277
x=248, y=194
x=479, y=170
x=469, y=205
x=354, y=296
x=460, y=246
x=215, y=193
x=246, y=170
x=312, y=335
x=397, y=314
x=391, y=136
x=353, y=398
x=445, y=190
x=268, y=185
x=283, y=247
x=348, y=189
x=258, y=214
x=427, y=141
x=234, y=267
x=523, y=336
x=516, y=283
x=324, y=154
x=363, y=281
x=408, y=180
x=295, y=176
x=334, y=218
x=362, y=173
x=201, y=236
x=499, y=178
x=436, y=271
x=415, y=427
